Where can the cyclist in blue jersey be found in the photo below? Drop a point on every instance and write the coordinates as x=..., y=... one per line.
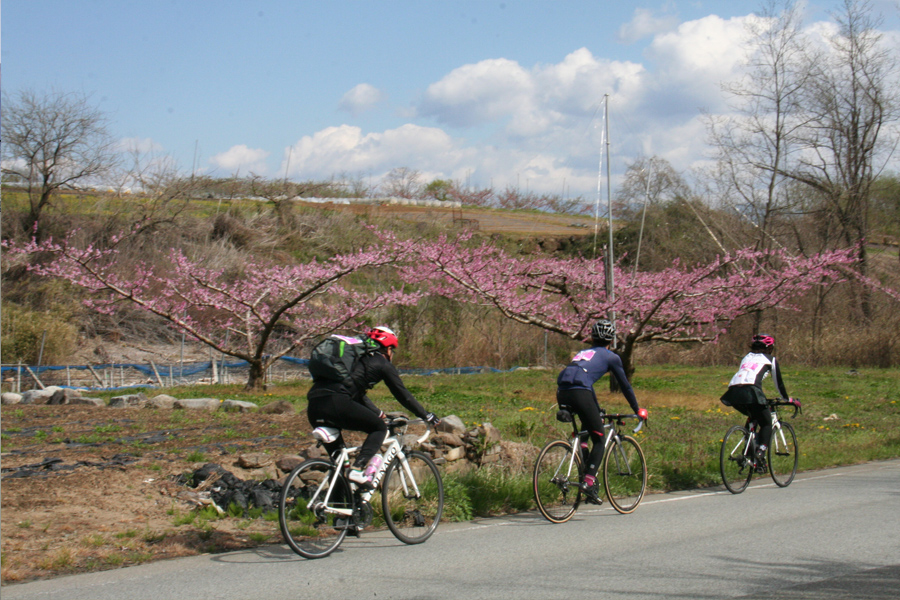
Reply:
x=745, y=393
x=575, y=392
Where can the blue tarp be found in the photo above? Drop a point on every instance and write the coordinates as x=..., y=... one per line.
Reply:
x=194, y=368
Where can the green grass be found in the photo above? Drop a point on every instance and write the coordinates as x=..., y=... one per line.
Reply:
x=681, y=441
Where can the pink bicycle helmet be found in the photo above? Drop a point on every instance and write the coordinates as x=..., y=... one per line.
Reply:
x=763, y=341
x=384, y=336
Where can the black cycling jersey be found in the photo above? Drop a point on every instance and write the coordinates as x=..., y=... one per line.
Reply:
x=371, y=369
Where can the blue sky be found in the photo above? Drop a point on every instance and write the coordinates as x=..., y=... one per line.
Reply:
x=482, y=92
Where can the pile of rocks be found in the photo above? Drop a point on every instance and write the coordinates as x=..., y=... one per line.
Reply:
x=53, y=395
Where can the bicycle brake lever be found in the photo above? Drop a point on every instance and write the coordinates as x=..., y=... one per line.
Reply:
x=639, y=426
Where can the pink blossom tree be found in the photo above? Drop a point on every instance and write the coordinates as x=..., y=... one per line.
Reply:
x=678, y=304
x=237, y=314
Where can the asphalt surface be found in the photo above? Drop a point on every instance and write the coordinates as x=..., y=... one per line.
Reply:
x=830, y=535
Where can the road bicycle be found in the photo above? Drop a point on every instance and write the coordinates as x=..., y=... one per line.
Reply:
x=559, y=468
x=738, y=456
x=319, y=505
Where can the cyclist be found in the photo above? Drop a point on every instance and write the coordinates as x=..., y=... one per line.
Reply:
x=346, y=406
x=575, y=392
x=745, y=391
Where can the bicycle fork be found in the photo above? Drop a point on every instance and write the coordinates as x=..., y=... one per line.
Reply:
x=614, y=446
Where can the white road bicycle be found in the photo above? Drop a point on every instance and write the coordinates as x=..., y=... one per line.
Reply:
x=319, y=505
x=559, y=468
x=738, y=460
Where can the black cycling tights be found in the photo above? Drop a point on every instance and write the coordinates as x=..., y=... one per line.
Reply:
x=339, y=410
x=584, y=404
x=763, y=417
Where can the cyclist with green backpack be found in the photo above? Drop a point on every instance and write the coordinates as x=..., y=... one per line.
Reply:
x=345, y=405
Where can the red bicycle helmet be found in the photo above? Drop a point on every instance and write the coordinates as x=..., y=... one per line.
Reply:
x=384, y=336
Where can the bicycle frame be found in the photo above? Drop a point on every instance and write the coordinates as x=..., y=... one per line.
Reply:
x=778, y=441
x=394, y=450
x=609, y=432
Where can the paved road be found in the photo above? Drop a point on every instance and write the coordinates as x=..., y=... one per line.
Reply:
x=831, y=535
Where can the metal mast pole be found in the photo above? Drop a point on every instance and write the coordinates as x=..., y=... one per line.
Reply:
x=610, y=259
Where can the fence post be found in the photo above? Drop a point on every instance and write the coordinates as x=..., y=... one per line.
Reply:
x=40, y=385
x=94, y=373
x=155, y=372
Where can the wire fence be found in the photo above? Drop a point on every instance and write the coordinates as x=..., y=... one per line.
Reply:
x=113, y=376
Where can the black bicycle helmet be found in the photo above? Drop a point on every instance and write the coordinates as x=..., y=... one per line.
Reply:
x=603, y=330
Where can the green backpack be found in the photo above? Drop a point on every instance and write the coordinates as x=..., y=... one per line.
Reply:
x=334, y=358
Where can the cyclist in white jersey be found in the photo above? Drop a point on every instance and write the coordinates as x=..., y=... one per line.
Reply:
x=745, y=391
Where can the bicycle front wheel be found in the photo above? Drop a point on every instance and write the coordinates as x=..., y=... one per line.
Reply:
x=734, y=466
x=315, y=509
x=783, y=455
x=625, y=474
x=557, y=473
x=412, y=498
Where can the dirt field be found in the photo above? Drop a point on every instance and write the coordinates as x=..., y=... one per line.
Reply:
x=95, y=488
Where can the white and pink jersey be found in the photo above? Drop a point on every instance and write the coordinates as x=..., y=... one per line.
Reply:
x=755, y=367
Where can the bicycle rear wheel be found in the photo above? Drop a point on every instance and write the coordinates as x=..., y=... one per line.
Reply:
x=783, y=455
x=413, y=500
x=311, y=530
x=556, y=477
x=735, y=468
x=625, y=474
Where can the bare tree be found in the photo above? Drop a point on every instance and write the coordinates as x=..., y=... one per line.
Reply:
x=754, y=145
x=53, y=141
x=649, y=182
x=403, y=183
x=156, y=187
x=852, y=98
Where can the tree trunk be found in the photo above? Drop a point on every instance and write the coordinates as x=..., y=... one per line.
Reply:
x=256, y=378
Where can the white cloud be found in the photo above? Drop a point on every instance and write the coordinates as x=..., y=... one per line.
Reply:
x=360, y=99
x=530, y=103
x=346, y=149
x=645, y=24
x=475, y=94
x=241, y=159
x=692, y=62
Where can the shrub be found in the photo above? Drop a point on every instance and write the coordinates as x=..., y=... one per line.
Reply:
x=23, y=331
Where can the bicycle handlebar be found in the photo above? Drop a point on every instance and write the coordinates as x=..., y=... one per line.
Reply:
x=397, y=421
x=619, y=417
x=773, y=402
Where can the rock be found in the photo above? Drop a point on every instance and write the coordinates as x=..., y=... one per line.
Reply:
x=39, y=396
x=197, y=403
x=455, y=454
x=491, y=434
x=315, y=451
x=286, y=464
x=129, y=401
x=10, y=398
x=452, y=424
x=64, y=396
x=446, y=438
x=254, y=460
x=162, y=401
x=282, y=407
x=238, y=406
x=87, y=401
